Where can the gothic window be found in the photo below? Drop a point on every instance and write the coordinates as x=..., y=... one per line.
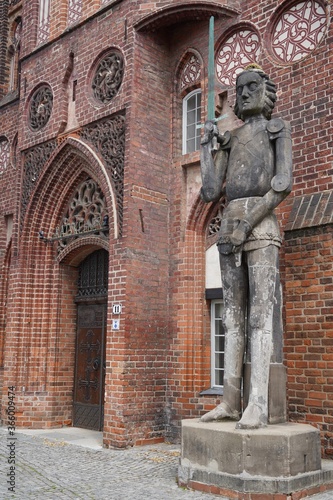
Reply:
x=298, y=30
x=237, y=51
x=191, y=121
x=4, y=154
x=43, y=21
x=14, y=53
x=191, y=72
x=74, y=11
x=108, y=77
x=40, y=107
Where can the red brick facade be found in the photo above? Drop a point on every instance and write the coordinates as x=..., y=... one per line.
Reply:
x=158, y=362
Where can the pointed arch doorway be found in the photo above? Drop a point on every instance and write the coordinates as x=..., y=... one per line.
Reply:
x=91, y=300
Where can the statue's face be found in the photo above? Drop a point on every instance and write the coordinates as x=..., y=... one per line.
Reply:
x=250, y=94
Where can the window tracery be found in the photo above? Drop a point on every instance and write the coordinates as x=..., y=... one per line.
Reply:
x=86, y=213
x=237, y=51
x=14, y=51
x=4, y=154
x=298, y=30
x=191, y=72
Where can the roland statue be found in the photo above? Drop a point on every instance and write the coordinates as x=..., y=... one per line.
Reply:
x=252, y=167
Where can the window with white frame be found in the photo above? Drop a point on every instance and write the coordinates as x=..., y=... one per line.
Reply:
x=217, y=343
x=191, y=121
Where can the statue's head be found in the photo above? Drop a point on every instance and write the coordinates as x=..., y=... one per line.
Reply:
x=255, y=93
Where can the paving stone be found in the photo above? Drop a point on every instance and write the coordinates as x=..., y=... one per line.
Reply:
x=51, y=469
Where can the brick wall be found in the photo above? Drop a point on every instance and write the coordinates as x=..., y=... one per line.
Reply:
x=309, y=322
x=159, y=360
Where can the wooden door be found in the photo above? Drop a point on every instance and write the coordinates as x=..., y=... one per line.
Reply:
x=90, y=367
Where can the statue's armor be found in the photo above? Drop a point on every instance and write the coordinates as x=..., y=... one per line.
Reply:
x=251, y=161
x=249, y=175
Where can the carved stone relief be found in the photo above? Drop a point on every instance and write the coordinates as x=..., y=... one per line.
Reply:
x=40, y=107
x=108, y=77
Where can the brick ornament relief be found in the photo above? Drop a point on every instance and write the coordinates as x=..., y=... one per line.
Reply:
x=108, y=137
x=108, y=77
x=40, y=107
x=74, y=11
x=34, y=161
x=298, y=31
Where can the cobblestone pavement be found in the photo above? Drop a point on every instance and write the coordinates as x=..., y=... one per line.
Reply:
x=53, y=469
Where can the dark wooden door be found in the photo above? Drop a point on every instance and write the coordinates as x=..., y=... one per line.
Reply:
x=90, y=367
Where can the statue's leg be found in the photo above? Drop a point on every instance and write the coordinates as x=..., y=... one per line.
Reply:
x=262, y=269
x=234, y=285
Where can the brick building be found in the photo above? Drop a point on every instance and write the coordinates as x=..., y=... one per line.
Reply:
x=110, y=310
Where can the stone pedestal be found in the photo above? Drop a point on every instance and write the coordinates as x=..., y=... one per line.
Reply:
x=282, y=458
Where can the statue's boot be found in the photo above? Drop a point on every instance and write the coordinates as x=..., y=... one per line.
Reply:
x=230, y=407
x=256, y=413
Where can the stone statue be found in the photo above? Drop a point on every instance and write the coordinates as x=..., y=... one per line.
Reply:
x=252, y=166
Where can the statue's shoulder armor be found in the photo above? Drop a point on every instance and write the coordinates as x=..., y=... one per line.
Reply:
x=278, y=128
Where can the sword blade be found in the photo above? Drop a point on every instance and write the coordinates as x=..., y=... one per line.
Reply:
x=211, y=72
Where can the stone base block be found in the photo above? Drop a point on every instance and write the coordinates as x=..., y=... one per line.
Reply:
x=282, y=458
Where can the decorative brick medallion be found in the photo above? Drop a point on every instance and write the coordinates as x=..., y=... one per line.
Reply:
x=40, y=107
x=108, y=77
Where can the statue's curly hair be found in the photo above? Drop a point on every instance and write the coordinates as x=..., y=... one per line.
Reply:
x=270, y=91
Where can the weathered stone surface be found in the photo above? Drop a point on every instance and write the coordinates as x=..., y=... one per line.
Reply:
x=252, y=167
x=281, y=450
x=282, y=458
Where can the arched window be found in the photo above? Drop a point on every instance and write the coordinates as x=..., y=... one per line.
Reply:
x=14, y=54
x=191, y=121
